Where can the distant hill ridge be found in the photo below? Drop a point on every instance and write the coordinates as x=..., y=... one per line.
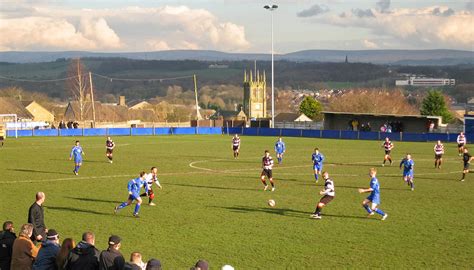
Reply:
x=406, y=57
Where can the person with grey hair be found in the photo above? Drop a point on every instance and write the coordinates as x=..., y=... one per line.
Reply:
x=84, y=255
x=24, y=250
x=36, y=217
x=7, y=237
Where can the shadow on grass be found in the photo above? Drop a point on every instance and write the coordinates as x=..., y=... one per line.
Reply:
x=275, y=211
x=347, y=216
x=284, y=212
x=38, y=171
x=210, y=187
x=78, y=210
x=93, y=200
x=83, y=161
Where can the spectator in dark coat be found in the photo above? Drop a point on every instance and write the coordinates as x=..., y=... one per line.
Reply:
x=153, y=264
x=112, y=259
x=46, y=259
x=36, y=217
x=24, y=250
x=84, y=255
x=7, y=237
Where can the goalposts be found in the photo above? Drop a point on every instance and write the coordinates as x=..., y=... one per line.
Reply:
x=6, y=123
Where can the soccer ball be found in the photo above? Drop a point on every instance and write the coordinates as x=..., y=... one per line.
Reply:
x=271, y=203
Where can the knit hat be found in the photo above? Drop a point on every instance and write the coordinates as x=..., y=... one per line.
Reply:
x=52, y=234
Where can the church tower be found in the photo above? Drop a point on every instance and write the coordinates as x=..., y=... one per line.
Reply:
x=255, y=98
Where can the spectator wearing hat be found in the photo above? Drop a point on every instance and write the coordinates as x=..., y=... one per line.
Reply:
x=46, y=259
x=67, y=245
x=112, y=259
x=7, y=237
x=24, y=250
x=153, y=264
x=136, y=262
x=227, y=267
x=36, y=217
x=84, y=255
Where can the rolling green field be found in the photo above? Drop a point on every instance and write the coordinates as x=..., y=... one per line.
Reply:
x=214, y=207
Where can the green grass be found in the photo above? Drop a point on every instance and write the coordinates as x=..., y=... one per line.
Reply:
x=218, y=211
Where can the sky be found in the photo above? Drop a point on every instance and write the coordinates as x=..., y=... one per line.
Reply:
x=234, y=25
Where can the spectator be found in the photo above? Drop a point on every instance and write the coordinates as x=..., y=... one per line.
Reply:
x=201, y=265
x=24, y=250
x=36, y=217
x=66, y=247
x=7, y=237
x=153, y=264
x=75, y=125
x=84, y=255
x=112, y=259
x=136, y=262
x=46, y=259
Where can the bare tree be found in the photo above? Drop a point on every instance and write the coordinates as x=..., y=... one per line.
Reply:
x=372, y=101
x=78, y=84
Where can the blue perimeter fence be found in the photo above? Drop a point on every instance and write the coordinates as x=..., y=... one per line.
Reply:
x=284, y=132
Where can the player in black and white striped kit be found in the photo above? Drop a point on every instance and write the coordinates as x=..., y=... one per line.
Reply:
x=236, y=145
x=439, y=151
x=328, y=192
x=151, y=178
x=267, y=166
x=461, y=140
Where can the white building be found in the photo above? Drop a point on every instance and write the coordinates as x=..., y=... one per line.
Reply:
x=416, y=81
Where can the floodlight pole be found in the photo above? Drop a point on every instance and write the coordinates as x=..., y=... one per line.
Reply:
x=271, y=9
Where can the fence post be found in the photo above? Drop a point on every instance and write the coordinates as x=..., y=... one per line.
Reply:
x=340, y=134
x=130, y=131
x=358, y=135
x=82, y=131
x=301, y=132
x=401, y=136
x=32, y=132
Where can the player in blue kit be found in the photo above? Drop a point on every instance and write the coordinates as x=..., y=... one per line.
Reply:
x=134, y=187
x=374, y=197
x=77, y=153
x=317, y=159
x=280, y=149
x=408, y=170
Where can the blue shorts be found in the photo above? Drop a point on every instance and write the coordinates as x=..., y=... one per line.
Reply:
x=133, y=197
x=279, y=153
x=408, y=174
x=77, y=160
x=374, y=198
x=318, y=167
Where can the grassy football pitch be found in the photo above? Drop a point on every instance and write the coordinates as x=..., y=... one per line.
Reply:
x=214, y=207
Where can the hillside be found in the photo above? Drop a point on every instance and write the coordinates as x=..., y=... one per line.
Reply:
x=410, y=57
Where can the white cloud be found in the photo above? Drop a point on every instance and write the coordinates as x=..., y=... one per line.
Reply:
x=435, y=27
x=45, y=33
x=127, y=29
x=369, y=44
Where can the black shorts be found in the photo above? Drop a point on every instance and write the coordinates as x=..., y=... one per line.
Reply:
x=440, y=156
x=109, y=151
x=235, y=148
x=387, y=152
x=466, y=166
x=460, y=145
x=326, y=199
x=267, y=173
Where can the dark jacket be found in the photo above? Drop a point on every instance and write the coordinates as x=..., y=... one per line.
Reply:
x=46, y=259
x=6, y=245
x=83, y=257
x=111, y=259
x=132, y=266
x=36, y=217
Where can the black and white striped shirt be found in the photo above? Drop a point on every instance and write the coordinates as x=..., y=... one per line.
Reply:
x=329, y=188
